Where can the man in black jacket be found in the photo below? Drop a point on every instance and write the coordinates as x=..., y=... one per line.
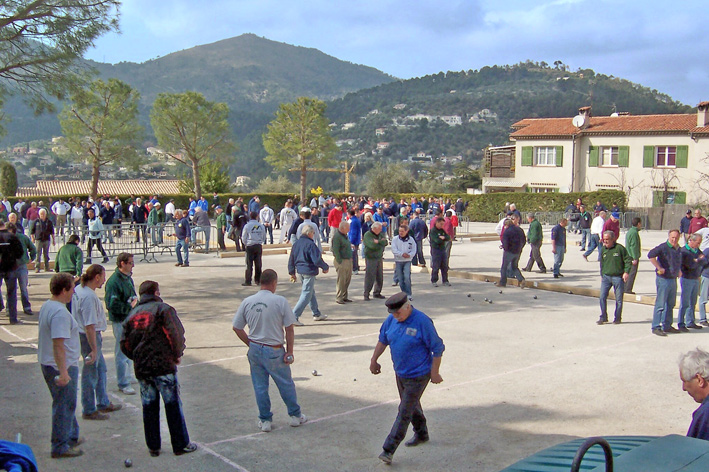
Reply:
x=513, y=240
x=10, y=251
x=153, y=337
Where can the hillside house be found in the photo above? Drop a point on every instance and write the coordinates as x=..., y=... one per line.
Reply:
x=452, y=120
x=650, y=157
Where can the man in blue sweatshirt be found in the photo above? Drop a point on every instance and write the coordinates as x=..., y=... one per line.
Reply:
x=305, y=260
x=667, y=260
x=693, y=262
x=513, y=240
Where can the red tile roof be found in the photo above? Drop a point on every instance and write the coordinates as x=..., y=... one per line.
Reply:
x=50, y=188
x=600, y=125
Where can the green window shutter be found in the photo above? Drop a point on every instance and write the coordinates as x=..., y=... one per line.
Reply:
x=680, y=198
x=527, y=155
x=555, y=190
x=559, y=156
x=528, y=189
x=593, y=156
x=682, y=157
x=623, y=156
x=648, y=156
x=657, y=198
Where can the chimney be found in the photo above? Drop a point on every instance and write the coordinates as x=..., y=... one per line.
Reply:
x=585, y=111
x=703, y=114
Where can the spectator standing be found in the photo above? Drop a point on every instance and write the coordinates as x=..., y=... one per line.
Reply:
x=513, y=240
x=597, y=229
x=419, y=230
x=615, y=269
x=120, y=299
x=684, y=225
x=343, y=254
x=535, y=238
x=558, y=246
x=43, y=234
x=633, y=246
x=355, y=237
x=266, y=218
x=182, y=233
x=693, y=263
x=29, y=252
x=667, y=260
x=439, y=259
x=698, y=222
x=253, y=236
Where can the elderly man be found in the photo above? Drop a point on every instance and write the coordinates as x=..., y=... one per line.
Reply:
x=154, y=339
x=698, y=222
x=558, y=246
x=306, y=260
x=287, y=217
x=42, y=234
x=613, y=224
x=416, y=351
x=693, y=263
x=667, y=260
x=535, y=237
x=201, y=224
x=268, y=316
x=221, y=223
x=374, y=242
x=615, y=268
x=403, y=247
x=266, y=218
x=439, y=259
x=11, y=252
x=513, y=240
x=29, y=252
x=342, y=250
x=58, y=354
x=584, y=224
x=182, y=234
x=419, y=230
x=253, y=235
x=694, y=373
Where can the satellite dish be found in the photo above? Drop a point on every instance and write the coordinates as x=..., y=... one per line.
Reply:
x=579, y=121
x=614, y=115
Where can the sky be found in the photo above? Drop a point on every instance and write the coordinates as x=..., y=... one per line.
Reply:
x=658, y=44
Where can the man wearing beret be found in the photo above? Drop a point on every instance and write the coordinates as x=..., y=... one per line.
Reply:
x=416, y=351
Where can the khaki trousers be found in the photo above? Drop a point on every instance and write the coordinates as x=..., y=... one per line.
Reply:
x=344, y=276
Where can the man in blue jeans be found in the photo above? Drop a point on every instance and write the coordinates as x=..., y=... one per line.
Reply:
x=416, y=351
x=268, y=316
x=615, y=270
x=558, y=246
x=513, y=240
x=154, y=339
x=182, y=233
x=120, y=299
x=693, y=263
x=667, y=260
x=305, y=260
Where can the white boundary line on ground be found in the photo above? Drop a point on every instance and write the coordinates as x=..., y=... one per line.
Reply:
x=26, y=341
x=448, y=387
x=222, y=458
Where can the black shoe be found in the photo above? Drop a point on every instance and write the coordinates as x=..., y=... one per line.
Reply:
x=366, y=298
x=340, y=302
x=560, y=274
x=616, y=321
x=154, y=452
x=246, y=284
x=556, y=276
x=185, y=265
x=386, y=457
x=380, y=296
x=347, y=300
x=658, y=332
x=704, y=323
x=683, y=329
x=415, y=441
x=694, y=326
x=191, y=447
x=17, y=322
x=29, y=312
x=542, y=271
x=526, y=270
x=630, y=293
x=105, y=260
x=671, y=329
x=71, y=452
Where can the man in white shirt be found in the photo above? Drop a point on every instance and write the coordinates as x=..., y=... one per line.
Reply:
x=170, y=210
x=267, y=316
x=61, y=208
x=288, y=216
x=266, y=218
x=596, y=235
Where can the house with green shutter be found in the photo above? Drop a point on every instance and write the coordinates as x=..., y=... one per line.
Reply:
x=655, y=159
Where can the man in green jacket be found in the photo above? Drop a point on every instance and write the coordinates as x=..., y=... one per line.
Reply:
x=70, y=258
x=120, y=299
x=534, y=238
x=156, y=218
x=615, y=268
x=342, y=250
x=374, y=243
x=632, y=244
x=221, y=227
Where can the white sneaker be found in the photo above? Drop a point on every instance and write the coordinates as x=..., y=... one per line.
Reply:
x=296, y=421
x=265, y=426
x=320, y=317
x=298, y=323
x=127, y=390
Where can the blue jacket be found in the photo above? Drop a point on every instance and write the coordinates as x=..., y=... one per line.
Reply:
x=558, y=235
x=684, y=225
x=305, y=258
x=692, y=264
x=669, y=258
x=418, y=228
x=355, y=234
x=182, y=228
x=253, y=206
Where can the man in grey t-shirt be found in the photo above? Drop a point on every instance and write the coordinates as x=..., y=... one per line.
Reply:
x=268, y=315
x=58, y=355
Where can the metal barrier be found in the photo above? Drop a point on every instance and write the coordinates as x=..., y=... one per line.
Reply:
x=553, y=217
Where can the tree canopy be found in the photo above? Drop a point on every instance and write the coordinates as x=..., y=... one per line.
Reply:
x=192, y=130
x=299, y=138
x=101, y=125
x=41, y=42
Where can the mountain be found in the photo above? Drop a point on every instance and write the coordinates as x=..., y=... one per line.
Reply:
x=460, y=113
x=252, y=75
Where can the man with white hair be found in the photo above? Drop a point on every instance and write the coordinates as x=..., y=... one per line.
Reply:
x=694, y=373
x=43, y=233
x=306, y=260
x=266, y=218
x=374, y=243
x=692, y=265
x=287, y=217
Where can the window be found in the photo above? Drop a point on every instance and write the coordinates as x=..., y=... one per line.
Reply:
x=609, y=156
x=665, y=156
x=545, y=156
x=542, y=189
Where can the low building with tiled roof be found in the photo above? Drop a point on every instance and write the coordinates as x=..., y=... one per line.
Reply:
x=49, y=188
x=650, y=157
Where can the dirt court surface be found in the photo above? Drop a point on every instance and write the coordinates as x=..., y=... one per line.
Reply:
x=520, y=374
